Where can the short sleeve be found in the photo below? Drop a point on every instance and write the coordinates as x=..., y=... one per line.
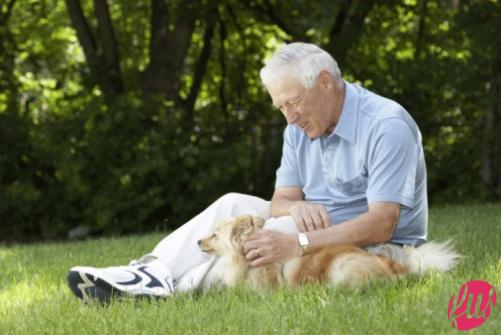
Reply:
x=392, y=164
x=287, y=173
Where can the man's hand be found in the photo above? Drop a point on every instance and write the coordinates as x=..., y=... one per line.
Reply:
x=309, y=216
x=269, y=246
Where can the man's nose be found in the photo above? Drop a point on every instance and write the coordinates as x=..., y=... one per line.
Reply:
x=292, y=116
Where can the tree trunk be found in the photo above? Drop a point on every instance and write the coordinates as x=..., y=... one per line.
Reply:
x=84, y=33
x=5, y=13
x=108, y=43
x=101, y=53
x=201, y=66
x=491, y=153
x=8, y=81
x=421, y=29
x=222, y=64
x=266, y=9
x=168, y=48
x=347, y=28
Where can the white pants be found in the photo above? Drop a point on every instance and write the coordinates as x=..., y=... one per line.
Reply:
x=179, y=251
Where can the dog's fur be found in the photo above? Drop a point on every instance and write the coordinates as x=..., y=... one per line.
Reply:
x=346, y=264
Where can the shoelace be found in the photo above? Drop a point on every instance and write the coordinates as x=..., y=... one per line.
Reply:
x=135, y=262
x=143, y=260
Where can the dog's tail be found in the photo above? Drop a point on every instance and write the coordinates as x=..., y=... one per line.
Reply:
x=437, y=256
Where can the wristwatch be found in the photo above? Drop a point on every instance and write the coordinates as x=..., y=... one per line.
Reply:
x=304, y=243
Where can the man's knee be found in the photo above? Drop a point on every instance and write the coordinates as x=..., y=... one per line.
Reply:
x=232, y=198
x=236, y=204
x=283, y=224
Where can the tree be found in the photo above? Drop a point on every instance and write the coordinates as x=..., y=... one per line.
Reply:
x=113, y=114
x=480, y=21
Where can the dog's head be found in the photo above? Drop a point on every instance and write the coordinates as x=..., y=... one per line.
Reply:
x=229, y=235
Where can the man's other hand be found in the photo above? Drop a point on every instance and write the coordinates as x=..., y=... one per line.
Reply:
x=309, y=216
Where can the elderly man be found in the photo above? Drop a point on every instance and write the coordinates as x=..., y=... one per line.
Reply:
x=352, y=171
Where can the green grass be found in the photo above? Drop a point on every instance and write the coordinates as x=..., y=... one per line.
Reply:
x=34, y=298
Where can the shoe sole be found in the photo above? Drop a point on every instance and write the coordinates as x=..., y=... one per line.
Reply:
x=88, y=287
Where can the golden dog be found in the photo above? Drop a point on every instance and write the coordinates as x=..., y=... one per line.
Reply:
x=346, y=264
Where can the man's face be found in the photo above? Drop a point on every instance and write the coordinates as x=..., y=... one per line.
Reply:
x=306, y=108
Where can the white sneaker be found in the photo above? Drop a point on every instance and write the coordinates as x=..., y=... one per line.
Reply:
x=139, y=279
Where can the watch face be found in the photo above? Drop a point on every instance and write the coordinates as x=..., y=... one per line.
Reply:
x=303, y=240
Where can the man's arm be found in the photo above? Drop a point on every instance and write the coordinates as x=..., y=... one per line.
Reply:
x=283, y=198
x=288, y=201
x=375, y=226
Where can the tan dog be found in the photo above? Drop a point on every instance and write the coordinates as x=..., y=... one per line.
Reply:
x=345, y=264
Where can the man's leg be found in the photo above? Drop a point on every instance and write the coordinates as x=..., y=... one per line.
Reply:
x=170, y=260
x=179, y=251
x=283, y=224
x=202, y=277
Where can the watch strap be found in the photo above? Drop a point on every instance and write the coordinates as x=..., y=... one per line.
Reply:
x=304, y=242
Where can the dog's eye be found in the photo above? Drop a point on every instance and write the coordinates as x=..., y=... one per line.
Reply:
x=214, y=236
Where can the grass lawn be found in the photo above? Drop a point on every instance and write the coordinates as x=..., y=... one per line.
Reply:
x=34, y=298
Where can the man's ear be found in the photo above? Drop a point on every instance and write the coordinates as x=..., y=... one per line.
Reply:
x=325, y=79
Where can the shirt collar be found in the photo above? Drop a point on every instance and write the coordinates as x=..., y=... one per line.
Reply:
x=346, y=127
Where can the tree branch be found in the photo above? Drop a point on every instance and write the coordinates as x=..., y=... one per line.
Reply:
x=201, y=65
x=159, y=28
x=491, y=151
x=338, y=26
x=234, y=19
x=420, y=35
x=348, y=30
x=242, y=62
x=222, y=87
x=269, y=11
x=84, y=32
x=168, y=49
x=272, y=14
x=4, y=16
x=109, y=46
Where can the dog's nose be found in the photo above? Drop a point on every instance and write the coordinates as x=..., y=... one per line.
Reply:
x=199, y=242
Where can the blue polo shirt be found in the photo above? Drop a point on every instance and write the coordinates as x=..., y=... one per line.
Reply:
x=374, y=154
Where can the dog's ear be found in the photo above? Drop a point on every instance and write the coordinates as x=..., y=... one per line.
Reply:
x=244, y=226
x=258, y=222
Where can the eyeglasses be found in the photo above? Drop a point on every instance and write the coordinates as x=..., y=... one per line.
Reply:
x=294, y=105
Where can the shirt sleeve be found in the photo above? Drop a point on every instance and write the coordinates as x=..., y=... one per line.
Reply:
x=392, y=164
x=288, y=173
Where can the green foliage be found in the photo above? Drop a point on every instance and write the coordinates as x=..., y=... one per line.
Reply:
x=120, y=168
x=71, y=154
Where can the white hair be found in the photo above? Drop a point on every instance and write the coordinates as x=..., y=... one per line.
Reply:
x=303, y=61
